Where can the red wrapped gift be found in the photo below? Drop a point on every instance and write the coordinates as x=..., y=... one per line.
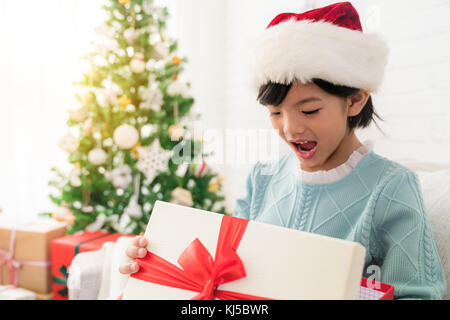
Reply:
x=64, y=249
x=375, y=290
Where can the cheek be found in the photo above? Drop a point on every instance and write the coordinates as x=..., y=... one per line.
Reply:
x=278, y=126
x=330, y=130
x=275, y=123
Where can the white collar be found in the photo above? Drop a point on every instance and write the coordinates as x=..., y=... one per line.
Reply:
x=328, y=176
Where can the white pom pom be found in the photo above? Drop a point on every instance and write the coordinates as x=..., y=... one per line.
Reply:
x=68, y=143
x=178, y=87
x=126, y=136
x=137, y=64
x=160, y=51
x=130, y=35
x=97, y=156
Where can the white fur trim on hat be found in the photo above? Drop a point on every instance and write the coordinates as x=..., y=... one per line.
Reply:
x=304, y=50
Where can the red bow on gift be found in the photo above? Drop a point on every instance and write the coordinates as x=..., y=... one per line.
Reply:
x=199, y=272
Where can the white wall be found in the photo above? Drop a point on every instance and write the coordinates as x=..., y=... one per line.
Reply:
x=413, y=100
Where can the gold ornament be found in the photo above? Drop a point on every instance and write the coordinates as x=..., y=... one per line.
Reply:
x=182, y=197
x=124, y=101
x=124, y=2
x=176, y=132
x=105, y=133
x=63, y=214
x=134, y=151
x=70, y=219
x=176, y=60
x=215, y=184
x=214, y=187
x=87, y=126
x=89, y=97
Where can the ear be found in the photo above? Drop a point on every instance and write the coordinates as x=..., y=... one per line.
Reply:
x=356, y=102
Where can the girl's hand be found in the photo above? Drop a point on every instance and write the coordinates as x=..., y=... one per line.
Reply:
x=137, y=249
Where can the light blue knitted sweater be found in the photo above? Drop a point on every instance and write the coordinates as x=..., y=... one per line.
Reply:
x=378, y=204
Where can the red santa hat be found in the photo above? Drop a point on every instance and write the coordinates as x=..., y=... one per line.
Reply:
x=326, y=43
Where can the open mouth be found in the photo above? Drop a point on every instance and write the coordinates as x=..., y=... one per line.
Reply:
x=305, y=150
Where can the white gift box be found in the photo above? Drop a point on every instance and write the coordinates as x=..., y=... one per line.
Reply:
x=11, y=292
x=279, y=263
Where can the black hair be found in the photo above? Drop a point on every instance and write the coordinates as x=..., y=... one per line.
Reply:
x=274, y=93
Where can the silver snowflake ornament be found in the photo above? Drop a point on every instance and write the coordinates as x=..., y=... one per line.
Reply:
x=153, y=159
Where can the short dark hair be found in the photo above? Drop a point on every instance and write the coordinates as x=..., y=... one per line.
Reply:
x=274, y=93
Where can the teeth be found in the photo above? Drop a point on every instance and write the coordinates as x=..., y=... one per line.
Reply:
x=303, y=151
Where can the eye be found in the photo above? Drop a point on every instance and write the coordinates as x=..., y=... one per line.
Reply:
x=274, y=113
x=311, y=112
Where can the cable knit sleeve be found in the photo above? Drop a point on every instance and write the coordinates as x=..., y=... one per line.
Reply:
x=408, y=255
x=243, y=205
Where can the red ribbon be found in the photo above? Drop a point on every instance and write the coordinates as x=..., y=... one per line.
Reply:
x=199, y=272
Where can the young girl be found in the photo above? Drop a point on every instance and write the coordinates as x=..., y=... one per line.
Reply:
x=315, y=71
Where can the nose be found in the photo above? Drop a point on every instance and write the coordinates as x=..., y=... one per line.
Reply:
x=293, y=126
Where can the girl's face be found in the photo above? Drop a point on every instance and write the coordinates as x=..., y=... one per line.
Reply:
x=309, y=113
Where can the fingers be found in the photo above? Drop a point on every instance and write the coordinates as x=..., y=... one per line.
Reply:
x=136, y=252
x=129, y=268
x=137, y=249
x=139, y=241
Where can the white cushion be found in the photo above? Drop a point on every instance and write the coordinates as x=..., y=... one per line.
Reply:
x=84, y=277
x=435, y=184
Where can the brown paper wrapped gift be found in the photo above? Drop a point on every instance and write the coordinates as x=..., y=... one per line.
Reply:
x=25, y=253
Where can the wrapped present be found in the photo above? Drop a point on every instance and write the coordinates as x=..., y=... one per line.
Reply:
x=64, y=249
x=196, y=254
x=25, y=253
x=375, y=290
x=44, y=296
x=11, y=292
x=85, y=274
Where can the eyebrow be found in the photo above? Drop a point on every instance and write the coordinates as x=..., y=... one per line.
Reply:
x=303, y=101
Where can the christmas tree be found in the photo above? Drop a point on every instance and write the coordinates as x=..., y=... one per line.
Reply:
x=131, y=147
